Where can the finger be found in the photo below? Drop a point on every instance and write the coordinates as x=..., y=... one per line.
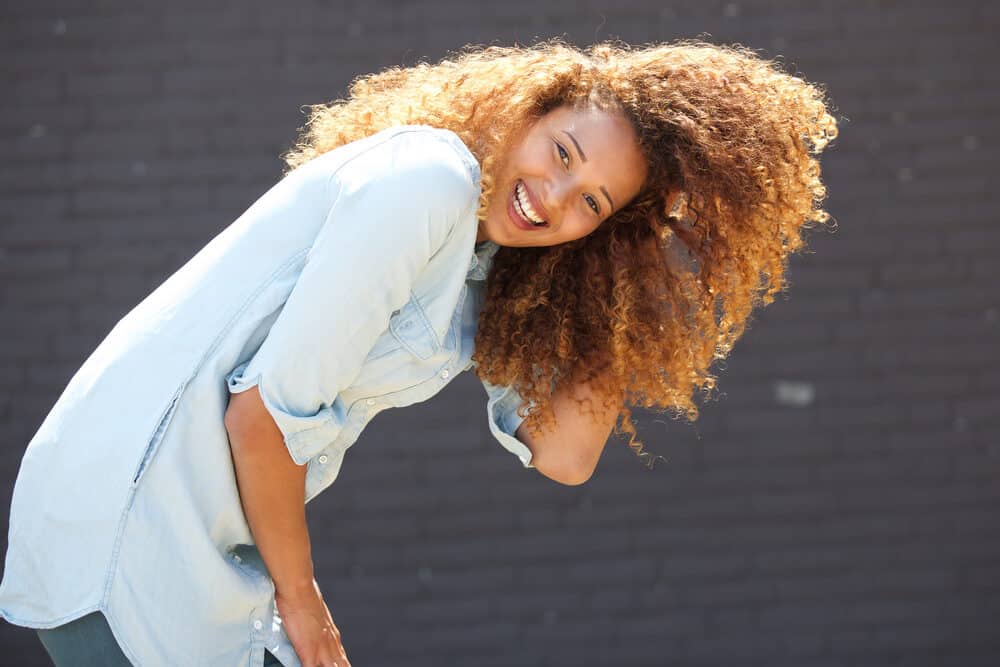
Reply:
x=341, y=658
x=341, y=653
x=331, y=657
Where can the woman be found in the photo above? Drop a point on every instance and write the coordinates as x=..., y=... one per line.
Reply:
x=585, y=229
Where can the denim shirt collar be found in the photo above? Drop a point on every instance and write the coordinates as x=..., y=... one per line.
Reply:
x=482, y=258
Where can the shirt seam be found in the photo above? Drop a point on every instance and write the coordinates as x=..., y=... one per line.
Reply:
x=127, y=507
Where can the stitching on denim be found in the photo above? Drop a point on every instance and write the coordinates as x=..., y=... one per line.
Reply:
x=426, y=328
x=291, y=261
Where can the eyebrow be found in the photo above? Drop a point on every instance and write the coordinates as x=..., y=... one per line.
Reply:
x=584, y=159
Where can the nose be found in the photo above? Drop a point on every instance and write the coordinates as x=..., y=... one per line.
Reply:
x=556, y=195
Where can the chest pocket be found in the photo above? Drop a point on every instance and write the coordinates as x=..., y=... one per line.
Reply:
x=410, y=326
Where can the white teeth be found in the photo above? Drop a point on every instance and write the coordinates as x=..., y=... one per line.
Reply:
x=529, y=213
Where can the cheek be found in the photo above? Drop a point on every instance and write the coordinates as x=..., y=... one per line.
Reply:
x=532, y=160
x=498, y=200
x=577, y=226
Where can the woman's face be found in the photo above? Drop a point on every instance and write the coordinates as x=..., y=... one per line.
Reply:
x=569, y=170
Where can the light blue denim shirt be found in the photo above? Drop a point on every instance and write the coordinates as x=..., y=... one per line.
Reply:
x=351, y=286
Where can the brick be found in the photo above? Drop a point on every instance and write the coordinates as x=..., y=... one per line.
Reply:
x=797, y=616
x=403, y=638
x=934, y=359
x=708, y=565
x=535, y=603
x=620, y=570
x=34, y=261
x=11, y=374
x=128, y=148
x=30, y=206
x=109, y=86
x=734, y=646
x=38, y=91
x=666, y=622
x=722, y=594
x=214, y=21
x=452, y=524
x=890, y=328
x=50, y=290
x=202, y=54
x=55, y=374
x=471, y=581
x=440, y=611
x=612, y=601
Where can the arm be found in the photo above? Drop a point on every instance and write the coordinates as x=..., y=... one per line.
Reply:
x=569, y=453
x=272, y=490
x=391, y=209
x=387, y=211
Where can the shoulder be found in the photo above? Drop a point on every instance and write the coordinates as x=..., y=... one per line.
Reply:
x=442, y=143
x=417, y=161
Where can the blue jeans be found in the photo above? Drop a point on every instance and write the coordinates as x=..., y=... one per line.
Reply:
x=88, y=642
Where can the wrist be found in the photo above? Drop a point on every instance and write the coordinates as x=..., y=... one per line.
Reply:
x=293, y=589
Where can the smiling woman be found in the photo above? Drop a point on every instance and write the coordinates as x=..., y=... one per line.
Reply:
x=585, y=229
x=671, y=183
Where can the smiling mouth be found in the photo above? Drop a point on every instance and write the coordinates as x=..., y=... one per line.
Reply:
x=517, y=206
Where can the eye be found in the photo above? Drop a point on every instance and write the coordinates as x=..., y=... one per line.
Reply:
x=563, y=154
x=593, y=204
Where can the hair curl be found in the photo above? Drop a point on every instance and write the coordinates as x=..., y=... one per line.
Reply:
x=646, y=303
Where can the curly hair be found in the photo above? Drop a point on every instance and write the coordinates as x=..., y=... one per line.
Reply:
x=641, y=307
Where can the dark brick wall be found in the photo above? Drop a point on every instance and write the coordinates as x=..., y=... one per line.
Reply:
x=838, y=505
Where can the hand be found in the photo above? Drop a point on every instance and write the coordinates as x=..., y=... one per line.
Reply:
x=310, y=627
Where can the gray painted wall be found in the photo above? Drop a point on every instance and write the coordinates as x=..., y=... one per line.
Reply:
x=838, y=505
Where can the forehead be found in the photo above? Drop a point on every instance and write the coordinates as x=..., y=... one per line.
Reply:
x=583, y=117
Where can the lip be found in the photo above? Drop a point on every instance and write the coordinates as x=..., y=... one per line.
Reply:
x=535, y=204
x=514, y=216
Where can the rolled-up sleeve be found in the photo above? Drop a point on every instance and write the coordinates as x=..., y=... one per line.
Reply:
x=393, y=207
x=501, y=412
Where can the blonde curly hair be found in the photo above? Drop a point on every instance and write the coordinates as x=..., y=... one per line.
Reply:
x=643, y=305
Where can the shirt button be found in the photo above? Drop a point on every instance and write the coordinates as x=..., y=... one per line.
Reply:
x=323, y=458
x=445, y=374
x=257, y=625
x=370, y=401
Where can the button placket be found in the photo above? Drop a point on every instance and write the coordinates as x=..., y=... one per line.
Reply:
x=257, y=624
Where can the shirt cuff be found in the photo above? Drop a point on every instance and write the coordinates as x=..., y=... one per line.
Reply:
x=305, y=436
x=501, y=410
